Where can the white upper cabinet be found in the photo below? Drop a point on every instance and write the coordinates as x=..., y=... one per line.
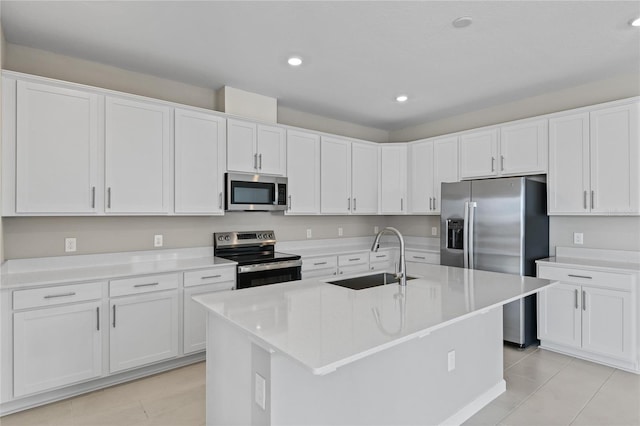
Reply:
x=594, y=161
x=513, y=149
x=431, y=162
x=393, y=179
x=303, y=171
x=364, y=178
x=138, y=172
x=255, y=148
x=523, y=148
x=200, y=141
x=335, y=176
x=56, y=150
x=479, y=154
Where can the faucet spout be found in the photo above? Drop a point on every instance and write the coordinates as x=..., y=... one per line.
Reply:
x=401, y=274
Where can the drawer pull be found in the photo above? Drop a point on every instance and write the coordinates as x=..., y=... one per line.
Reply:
x=145, y=285
x=354, y=259
x=380, y=256
x=52, y=296
x=114, y=316
x=584, y=300
x=419, y=257
x=579, y=276
x=98, y=318
x=319, y=263
x=210, y=276
x=576, y=290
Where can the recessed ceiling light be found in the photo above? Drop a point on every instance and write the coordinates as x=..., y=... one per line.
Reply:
x=294, y=61
x=402, y=98
x=635, y=22
x=463, y=21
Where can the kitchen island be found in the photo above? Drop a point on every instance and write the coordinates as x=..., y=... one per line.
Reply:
x=309, y=352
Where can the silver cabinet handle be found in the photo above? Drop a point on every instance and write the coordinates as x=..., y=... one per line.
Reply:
x=349, y=204
x=493, y=161
x=289, y=206
x=260, y=161
x=255, y=161
x=419, y=257
x=109, y=197
x=210, y=276
x=381, y=255
x=114, y=316
x=98, y=318
x=354, y=259
x=580, y=276
x=319, y=263
x=53, y=296
x=401, y=204
x=584, y=300
x=220, y=200
x=434, y=204
x=354, y=204
x=576, y=290
x=592, y=196
x=585, y=200
x=93, y=197
x=145, y=285
x=502, y=163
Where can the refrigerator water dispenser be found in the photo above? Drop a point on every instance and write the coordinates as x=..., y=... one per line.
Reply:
x=455, y=228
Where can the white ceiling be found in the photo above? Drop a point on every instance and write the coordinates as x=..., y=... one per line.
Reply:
x=358, y=55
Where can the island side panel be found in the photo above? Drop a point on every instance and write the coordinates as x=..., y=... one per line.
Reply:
x=229, y=374
x=406, y=384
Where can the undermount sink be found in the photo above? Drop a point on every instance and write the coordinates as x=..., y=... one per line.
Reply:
x=367, y=281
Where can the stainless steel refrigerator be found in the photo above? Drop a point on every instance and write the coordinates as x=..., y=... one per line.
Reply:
x=498, y=225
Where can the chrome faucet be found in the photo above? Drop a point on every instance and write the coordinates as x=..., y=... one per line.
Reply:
x=401, y=274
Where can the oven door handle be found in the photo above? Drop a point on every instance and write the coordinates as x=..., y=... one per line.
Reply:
x=269, y=266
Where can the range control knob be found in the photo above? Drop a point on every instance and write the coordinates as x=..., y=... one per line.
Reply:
x=220, y=238
x=226, y=238
x=271, y=235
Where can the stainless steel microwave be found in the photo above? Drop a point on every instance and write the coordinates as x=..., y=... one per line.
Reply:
x=252, y=192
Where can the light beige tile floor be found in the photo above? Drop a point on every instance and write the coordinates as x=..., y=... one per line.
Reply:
x=543, y=388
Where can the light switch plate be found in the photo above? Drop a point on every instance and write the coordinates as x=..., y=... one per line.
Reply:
x=261, y=391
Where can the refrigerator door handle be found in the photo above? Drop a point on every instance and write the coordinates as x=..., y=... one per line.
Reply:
x=472, y=209
x=465, y=236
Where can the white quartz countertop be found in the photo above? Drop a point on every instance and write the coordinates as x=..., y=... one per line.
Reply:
x=324, y=326
x=94, y=268
x=594, y=259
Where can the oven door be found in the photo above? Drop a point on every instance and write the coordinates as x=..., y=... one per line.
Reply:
x=255, y=192
x=268, y=273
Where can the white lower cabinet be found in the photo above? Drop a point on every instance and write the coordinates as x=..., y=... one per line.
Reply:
x=144, y=327
x=588, y=313
x=58, y=345
x=319, y=266
x=353, y=263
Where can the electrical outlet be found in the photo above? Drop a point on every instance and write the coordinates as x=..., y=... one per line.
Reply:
x=309, y=233
x=578, y=238
x=157, y=240
x=451, y=361
x=376, y=229
x=69, y=245
x=340, y=232
x=434, y=230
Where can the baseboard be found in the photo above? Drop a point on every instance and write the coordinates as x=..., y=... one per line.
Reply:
x=476, y=405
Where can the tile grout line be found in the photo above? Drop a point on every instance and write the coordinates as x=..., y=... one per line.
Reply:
x=592, y=396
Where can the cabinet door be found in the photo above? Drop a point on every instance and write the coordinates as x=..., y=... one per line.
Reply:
x=523, y=148
x=272, y=150
x=56, y=150
x=364, y=178
x=445, y=167
x=559, y=315
x=606, y=322
x=303, y=172
x=420, y=185
x=242, y=139
x=393, y=179
x=568, y=178
x=138, y=172
x=195, y=317
x=199, y=162
x=615, y=155
x=55, y=347
x=335, y=176
x=144, y=329
x=478, y=154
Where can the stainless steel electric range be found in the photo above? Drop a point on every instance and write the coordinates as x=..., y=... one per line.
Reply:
x=258, y=262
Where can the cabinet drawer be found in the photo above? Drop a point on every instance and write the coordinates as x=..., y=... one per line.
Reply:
x=324, y=262
x=353, y=269
x=422, y=257
x=50, y=296
x=581, y=276
x=145, y=284
x=210, y=276
x=380, y=256
x=319, y=273
x=353, y=259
